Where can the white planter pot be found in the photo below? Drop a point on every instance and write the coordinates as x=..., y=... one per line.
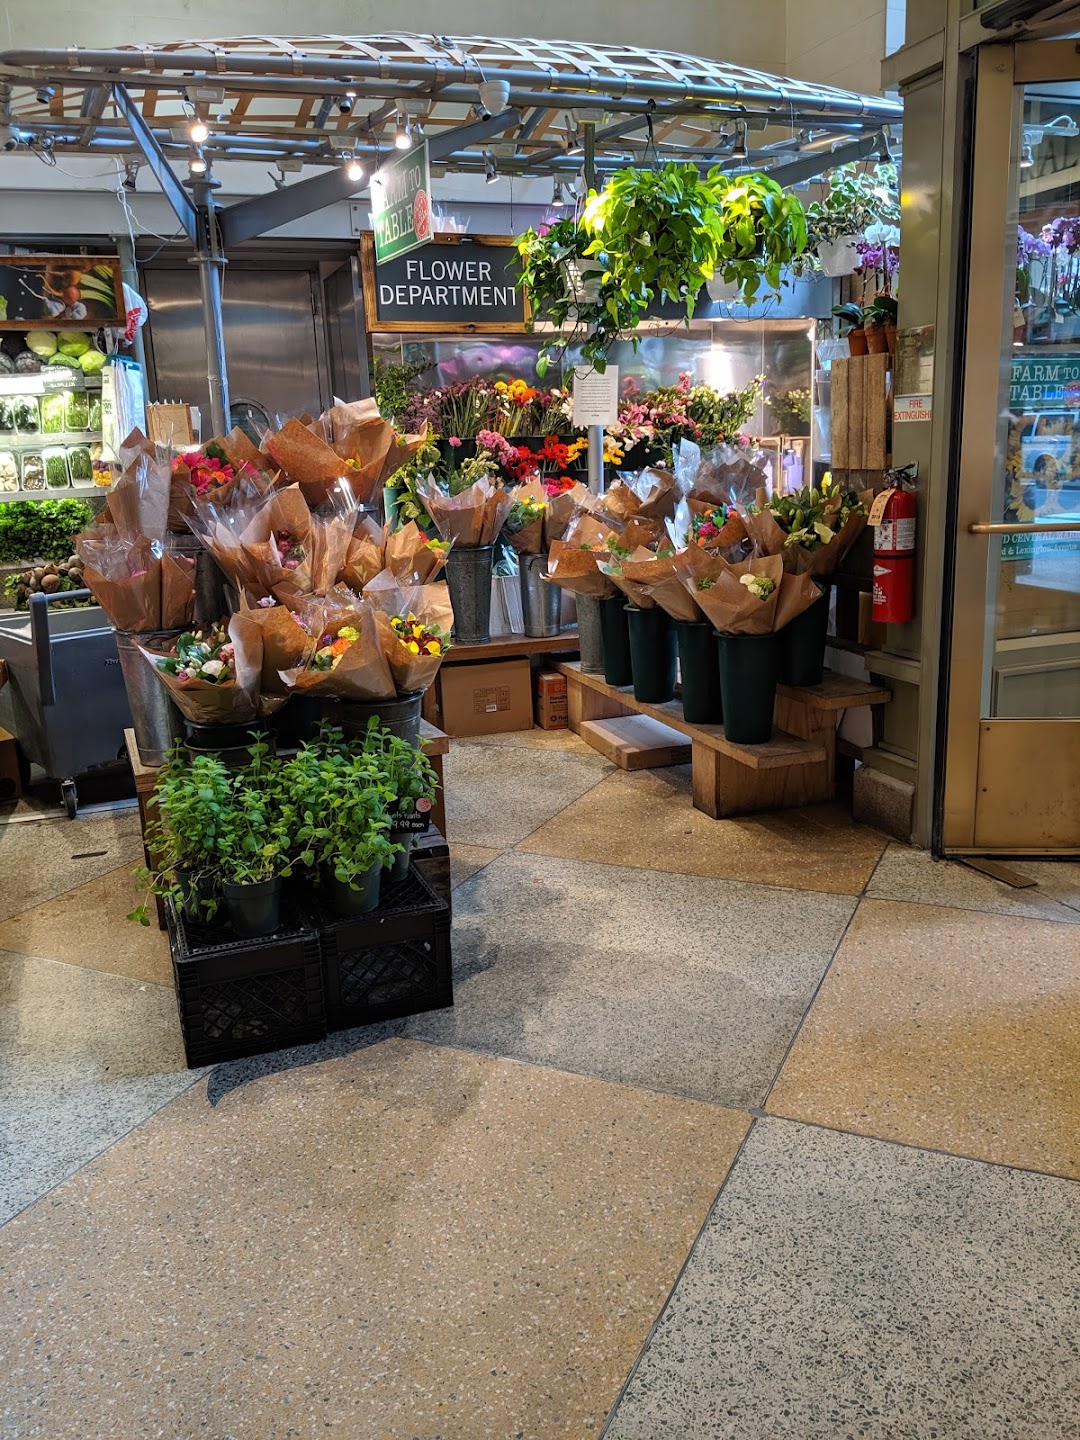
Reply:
x=839, y=257
x=722, y=292
x=583, y=280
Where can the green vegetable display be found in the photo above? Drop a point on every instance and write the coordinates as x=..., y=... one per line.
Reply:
x=40, y=529
x=52, y=412
x=56, y=470
x=41, y=342
x=77, y=411
x=7, y=415
x=92, y=362
x=62, y=361
x=26, y=415
x=94, y=422
x=80, y=465
x=33, y=471
x=73, y=342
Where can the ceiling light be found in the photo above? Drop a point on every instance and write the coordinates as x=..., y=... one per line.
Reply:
x=1027, y=159
x=45, y=94
x=739, y=150
x=354, y=169
x=199, y=131
x=491, y=170
x=131, y=174
x=558, y=199
x=402, y=132
x=197, y=164
x=345, y=102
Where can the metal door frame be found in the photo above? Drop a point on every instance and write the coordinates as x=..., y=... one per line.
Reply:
x=971, y=739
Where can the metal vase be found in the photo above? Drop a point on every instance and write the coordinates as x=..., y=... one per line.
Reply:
x=540, y=601
x=590, y=639
x=400, y=717
x=155, y=719
x=468, y=578
x=211, y=604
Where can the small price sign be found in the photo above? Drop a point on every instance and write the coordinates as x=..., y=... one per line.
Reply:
x=414, y=818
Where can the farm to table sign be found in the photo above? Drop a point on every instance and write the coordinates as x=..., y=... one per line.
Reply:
x=401, y=203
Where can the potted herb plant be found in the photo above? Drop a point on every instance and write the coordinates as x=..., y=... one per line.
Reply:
x=411, y=780
x=184, y=816
x=252, y=844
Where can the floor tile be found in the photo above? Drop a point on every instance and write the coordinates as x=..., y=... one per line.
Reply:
x=947, y=1028
x=496, y=797
x=38, y=857
x=535, y=739
x=87, y=926
x=405, y=1242
x=465, y=860
x=646, y=818
x=619, y=973
x=848, y=1288
x=1059, y=878
x=907, y=874
x=85, y=1057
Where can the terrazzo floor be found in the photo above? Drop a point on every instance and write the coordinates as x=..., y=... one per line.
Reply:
x=752, y=1128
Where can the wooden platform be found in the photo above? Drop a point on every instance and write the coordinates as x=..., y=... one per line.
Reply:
x=637, y=742
x=507, y=647
x=796, y=767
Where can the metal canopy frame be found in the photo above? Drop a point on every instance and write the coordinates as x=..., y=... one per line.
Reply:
x=323, y=100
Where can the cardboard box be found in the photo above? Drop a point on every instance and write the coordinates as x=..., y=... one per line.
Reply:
x=482, y=699
x=10, y=778
x=550, y=708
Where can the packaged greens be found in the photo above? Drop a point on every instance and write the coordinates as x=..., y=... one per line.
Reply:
x=9, y=471
x=7, y=415
x=52, y=412
x=77, y=411
x=94, y=417
x=80, y=465
x=56, y=470
x=27, y=415
x=33, y=471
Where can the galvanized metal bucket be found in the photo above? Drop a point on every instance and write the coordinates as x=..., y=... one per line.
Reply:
x=540, y=602
x=590, y=641
x=468, y=578
x=400, y=717
x=155, y=719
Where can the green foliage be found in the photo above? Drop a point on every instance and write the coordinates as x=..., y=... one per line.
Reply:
x=791, y=411
x=656, y=235
x=405, y=485
x=340, y=796
x=390, y=381
x=855, y=200
x=253, y=835
x=850, y=315
x=882, y=310
x=40, y=529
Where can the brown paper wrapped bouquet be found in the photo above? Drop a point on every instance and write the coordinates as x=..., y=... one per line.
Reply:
x=414, y=625
x=754, y=597
x=812, y=529
x=348, y=661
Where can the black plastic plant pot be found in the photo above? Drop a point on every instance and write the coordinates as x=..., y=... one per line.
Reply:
x=400, y=868
x=699, y=665
x=749, y=669
x=355, y=900
x=653, y=652
x=254, y=909
x=298, y=721
x=802, y=644
x=233, y=757
x=195, y=891
x=615, y=637
x=223, y=737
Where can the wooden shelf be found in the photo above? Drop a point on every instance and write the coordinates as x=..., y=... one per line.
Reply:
x=505, y=647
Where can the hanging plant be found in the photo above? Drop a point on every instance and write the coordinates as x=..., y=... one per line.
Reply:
x=855, y=200
x=656, y=235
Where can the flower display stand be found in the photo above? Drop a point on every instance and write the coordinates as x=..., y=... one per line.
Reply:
x=796, y=767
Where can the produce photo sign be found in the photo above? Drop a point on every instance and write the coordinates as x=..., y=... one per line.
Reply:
x=454, y=284
x=401, y=203
x=60, y=291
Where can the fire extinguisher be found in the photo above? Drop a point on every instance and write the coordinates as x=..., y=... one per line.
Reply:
x=892, y=516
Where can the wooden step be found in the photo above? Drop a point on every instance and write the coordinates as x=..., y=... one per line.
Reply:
x=637, y=742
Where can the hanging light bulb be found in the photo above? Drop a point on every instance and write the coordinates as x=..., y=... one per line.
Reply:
x=199, y=131
x=354, y=169
x=558, y=199
x=739, y=150
x=1027, y=159
x=197, y=163
x=403, y=132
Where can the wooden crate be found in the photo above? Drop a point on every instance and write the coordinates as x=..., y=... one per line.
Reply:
x=860, y=413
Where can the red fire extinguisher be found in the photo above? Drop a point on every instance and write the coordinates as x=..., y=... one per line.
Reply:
x=892, y=516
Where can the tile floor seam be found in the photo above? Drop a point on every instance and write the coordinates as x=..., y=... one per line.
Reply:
x=980, y=909
x=686, y=874
x=810, y=1006
x=93, y=969
x=611, y=770
x=671, y=1293
x=914, y=1145
x=198, y=1076
x=728, y=1105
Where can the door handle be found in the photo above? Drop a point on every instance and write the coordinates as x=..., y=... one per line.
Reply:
x=1064, y=527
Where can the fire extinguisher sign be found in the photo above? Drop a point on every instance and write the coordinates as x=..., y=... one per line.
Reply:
x=912, y=408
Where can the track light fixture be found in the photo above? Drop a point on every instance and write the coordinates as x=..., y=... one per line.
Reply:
x=491, y=170
x=558, y=199
x=402, y=132
x=739, y=150
x=1027, y=159
x=45, y=94
x=131, y=174
x=197, y=163
x=346, y=102
x=199, y=131
x=354, y=168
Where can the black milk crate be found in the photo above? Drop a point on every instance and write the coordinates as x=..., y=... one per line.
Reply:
x=241, y=996
x=391, y=962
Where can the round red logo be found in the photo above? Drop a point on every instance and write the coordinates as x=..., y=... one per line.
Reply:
x=422, y=215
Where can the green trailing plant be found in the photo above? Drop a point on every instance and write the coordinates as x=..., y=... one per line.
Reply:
x=404, y=484
x=855, y=200
x=255, y=831
x=655, y=235
x=405, y=771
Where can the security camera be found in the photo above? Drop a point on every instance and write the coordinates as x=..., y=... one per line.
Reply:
x=45, y=94
x=494, y=97
x=10, y=138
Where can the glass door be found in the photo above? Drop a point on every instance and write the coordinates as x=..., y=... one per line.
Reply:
x=1012, y=779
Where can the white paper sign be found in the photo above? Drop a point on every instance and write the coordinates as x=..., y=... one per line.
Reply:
x=596, y=396
x=912, y=407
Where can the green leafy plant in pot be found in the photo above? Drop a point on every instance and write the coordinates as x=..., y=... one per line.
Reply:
x=340, y=797
x=409, y=777
x=654, y=235
x=252, y=844
x=185, y=815
x=879, y=319
x=852, y=316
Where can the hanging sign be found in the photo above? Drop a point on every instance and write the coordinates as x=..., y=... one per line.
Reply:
x=596, y=396
x=401, y=203
x=453, y=284
x=60, y=292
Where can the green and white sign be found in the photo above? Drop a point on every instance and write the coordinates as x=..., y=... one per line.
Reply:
x=1044, y=383
x=401, y=203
